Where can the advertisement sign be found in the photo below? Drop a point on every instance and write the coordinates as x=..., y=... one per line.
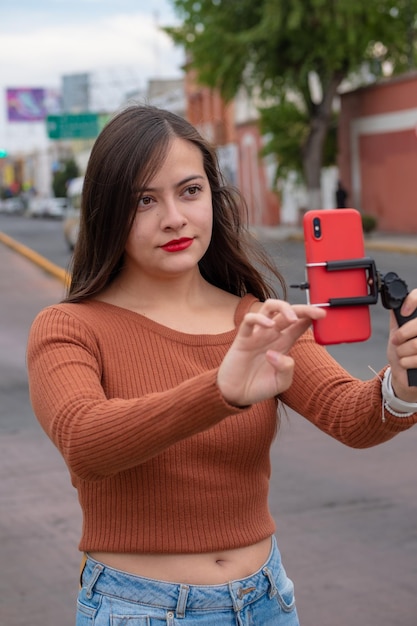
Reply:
x=31, y=104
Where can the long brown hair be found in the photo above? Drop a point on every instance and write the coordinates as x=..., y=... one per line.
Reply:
x=125, y=156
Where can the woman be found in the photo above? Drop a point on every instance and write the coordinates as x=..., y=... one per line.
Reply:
x=158, y=378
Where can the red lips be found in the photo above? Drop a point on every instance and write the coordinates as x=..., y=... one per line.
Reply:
x=176, y=245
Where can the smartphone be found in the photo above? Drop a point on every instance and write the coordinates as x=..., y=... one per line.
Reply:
x=336, y=235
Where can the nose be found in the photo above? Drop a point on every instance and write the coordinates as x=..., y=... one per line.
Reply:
x=173, y=217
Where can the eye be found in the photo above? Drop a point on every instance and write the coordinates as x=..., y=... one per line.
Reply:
x=193, y=190
x=145, y=202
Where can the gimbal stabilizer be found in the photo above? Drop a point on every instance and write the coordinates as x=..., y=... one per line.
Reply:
x=392, y=288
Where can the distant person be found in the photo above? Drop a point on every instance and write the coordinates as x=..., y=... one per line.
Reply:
x=161, y=378
x=341, y=196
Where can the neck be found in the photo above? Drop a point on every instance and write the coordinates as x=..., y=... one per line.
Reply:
x=143, y=293
x=188, y=304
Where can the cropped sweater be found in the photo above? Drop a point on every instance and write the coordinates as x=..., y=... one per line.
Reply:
x=161, y=462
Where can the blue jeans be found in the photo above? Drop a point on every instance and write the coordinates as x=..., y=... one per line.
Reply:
x=111, y=597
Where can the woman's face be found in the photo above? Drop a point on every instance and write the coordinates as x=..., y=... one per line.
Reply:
x=174, y=218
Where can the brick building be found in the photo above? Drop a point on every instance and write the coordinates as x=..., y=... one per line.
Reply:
x=238, y=142
x=378, y=151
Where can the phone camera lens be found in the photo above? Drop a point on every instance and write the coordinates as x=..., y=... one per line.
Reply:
x=317, y=227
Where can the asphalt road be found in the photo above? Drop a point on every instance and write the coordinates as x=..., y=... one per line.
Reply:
x=45, y=236
x=346, y=519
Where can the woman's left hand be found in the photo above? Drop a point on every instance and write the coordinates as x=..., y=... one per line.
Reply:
x=402, y=349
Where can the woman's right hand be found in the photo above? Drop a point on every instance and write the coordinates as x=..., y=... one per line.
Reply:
x=257, y=365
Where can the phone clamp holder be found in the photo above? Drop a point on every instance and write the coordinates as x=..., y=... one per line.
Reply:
x=392, y=288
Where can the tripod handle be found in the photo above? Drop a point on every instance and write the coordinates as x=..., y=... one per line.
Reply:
x=411, y=373
x=394, y=291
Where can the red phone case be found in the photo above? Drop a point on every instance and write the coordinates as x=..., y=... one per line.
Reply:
x=334, y=235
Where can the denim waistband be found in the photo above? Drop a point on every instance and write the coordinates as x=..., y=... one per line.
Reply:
x=100, y=578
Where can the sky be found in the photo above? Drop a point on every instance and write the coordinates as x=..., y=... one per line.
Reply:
x=43, y=40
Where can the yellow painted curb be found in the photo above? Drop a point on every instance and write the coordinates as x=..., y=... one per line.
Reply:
x=390, y=247
x=372, y=245
x=51, y=268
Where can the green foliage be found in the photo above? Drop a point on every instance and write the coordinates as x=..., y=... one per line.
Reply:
x=369, y=223
x=275, y=46
x=269, y=43
x=286, y=129
x=69, y=169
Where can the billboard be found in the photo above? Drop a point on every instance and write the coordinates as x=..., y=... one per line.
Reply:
x=31, y=104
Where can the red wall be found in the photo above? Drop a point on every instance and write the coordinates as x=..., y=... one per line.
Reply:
x=389, y=179
x=378, y=163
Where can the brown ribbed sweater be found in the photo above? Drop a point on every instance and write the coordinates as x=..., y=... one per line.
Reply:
x=160, y=461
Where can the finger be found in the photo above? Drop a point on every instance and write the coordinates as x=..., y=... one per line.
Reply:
x=251, y=320
x=273, y=307
x=402, y=333
x=408, y=362
x=409, y=304
x=292, y=333
x=283, y=312
x=284, y=366
x=309, y=311
x=407, y=349
x=281, y=362
x=278, y=321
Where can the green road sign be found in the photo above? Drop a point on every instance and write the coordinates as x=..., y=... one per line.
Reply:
x=73, y=126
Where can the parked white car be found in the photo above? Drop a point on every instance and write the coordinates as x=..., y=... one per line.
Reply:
x=12, y=206
x=47, y=207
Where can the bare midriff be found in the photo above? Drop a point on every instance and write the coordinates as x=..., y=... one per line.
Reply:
x=209, y=568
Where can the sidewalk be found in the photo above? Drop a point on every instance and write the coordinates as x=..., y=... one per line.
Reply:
x=39, y=514
x=390, y=242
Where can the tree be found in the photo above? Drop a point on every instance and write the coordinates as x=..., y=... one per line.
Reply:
x=67, y=171
x=296, y=55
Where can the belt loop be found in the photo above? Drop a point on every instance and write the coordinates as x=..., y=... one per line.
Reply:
x=182, y=601
x=273, y=588
x=94, y=577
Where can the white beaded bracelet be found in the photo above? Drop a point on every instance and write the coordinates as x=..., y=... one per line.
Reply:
x=395, y=406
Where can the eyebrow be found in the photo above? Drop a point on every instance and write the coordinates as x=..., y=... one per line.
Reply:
x=184, y=181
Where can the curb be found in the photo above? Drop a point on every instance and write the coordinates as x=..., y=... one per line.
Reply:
x=371, y=245
x=49, y=267
x=391, y=247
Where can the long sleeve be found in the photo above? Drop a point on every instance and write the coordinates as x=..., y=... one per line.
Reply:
x=348, y=409
x=90, y=418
